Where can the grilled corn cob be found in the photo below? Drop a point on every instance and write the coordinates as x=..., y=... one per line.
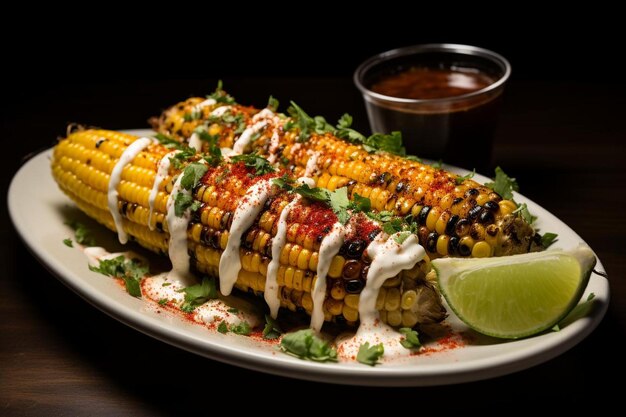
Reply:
x=455, y=216
x=84, y=163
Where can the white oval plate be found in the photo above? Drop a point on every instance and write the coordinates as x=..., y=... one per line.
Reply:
x=38, y=210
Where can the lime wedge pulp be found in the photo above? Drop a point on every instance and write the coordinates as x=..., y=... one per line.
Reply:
x=515, y=296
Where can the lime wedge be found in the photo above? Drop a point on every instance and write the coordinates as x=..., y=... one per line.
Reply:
x=515, y=296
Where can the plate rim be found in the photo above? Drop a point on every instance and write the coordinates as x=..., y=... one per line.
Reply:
x=438, y=374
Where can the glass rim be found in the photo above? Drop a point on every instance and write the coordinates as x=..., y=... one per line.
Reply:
x=431, y=47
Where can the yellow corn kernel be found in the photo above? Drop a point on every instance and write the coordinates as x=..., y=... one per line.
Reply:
x=392, y=300
x=289, y=272
x=482, y=250
x=284, y=254
x=293, y=255
x=307, y=283
x=298, y=278
x=334, y=307
x=409, y=318
x=350, y=314
x=352, y=300
x=442, y=244
x=408, y=299
x=394, y=317
x=336, y=266
x=507, y=207
x=337, y=291
x=433, y=216
x=392, y=282
x=307, y=302
x=380, y=299
x=482, y=199
x=303, y=259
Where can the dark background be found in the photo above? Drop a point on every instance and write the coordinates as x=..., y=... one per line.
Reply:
x=561, y=134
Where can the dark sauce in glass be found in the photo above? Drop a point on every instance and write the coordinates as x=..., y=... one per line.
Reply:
x=458, y=130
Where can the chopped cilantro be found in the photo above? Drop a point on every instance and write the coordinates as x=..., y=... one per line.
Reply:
x=222, y=327
x=413, y=158
x=82, y=234
x=192, y=175
x=194, y=115
x=438, y=164
x=233, y=310
x=459, y=180
x=503, y=184
x=243, y=328
x=285, y=182
x=271, y=330
x=548, y=239
x=401, y=237
x=360, y=203
x=68, y=242
x=198, y=294
x=306, y=123
x=272, y=104
x=181, y=156
x=168, y=142
x=220, y=96
x=261, y=165
x=304, y=344
x=522, y=211
x=339, y=204
x=129, y=270
x=391, y=143
x=369, y=355
x=166, y=284
x=345, y=131
x=411, y=340
x=184, y=201
x=163, y=301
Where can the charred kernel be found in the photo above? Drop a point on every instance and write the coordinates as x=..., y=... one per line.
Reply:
x=453, y=245
x=364, y=271
x=399, y=187
x=472, y=192
x=355, y=249
x=351, y=270
x=224, y=222
x=100, y=142
x=492, y=230
x=492, y=206
x=462, y=227
x=486, y=217
x=431, y=242
x=495, y=197
x=354, y=286
x=466, y=244
x=451, y=225
x=423, y=215
x=474, y=212
x=477, y=232
x=423, y=234
x=457, y=201
x=159, y=226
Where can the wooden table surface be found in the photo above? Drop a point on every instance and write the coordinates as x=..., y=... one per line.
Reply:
x=565, y=142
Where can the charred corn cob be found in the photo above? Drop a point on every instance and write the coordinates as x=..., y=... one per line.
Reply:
x=136, y=202
x=455, y=216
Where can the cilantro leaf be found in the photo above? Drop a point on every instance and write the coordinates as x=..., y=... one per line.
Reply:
x=168, y=142
x=339, y=202
x=503, y=184
x=131, y=271
x=222, y=327
x=524, y=213
x=304, y=344
x=194, y=115
x=220, y=96
x=68, y=243
x=181, y=156
x=272, y=103
x=163, y=301
x=306, y=123
x=261, y=165
x=459, y=180
x=548, y=239
x=184, y=201
x=359, y=203
x=413, y=158
x=192, y=175
x=369, y=355
x=411, y=340
x=233, y=310
x=198, y=294
x=285, y=182
x=438, y=164
x=242, y=328
x=271, y=330
x=391, y=143
x=82, y=234
x=401, y=237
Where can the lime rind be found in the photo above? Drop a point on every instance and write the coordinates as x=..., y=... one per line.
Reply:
x=515, y=296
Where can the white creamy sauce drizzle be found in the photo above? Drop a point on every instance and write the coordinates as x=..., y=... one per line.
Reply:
x=328, y=249
x=278, y=243
x=274, y=145
x=227, y=153
x=388, y=259
x=219, y=112
x=195, y=142
x=177, y=247
x=206, y=103
x=162, y=173
x=306, y=181
x=311, y=164
x=249, y=208
x=116, y=176
x=246, y=136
